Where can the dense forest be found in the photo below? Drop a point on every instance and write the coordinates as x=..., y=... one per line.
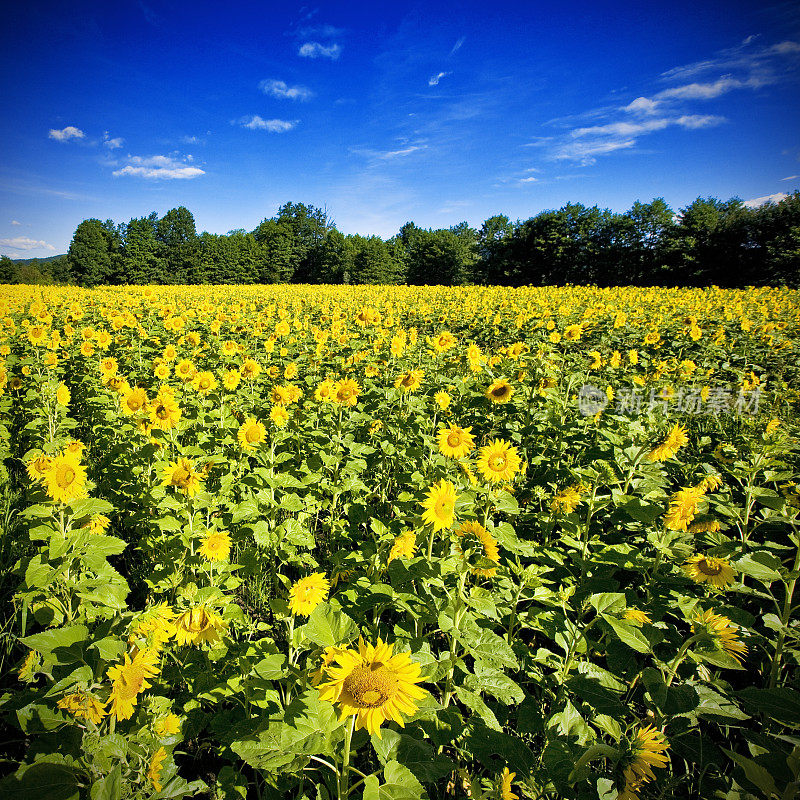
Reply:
x=709, y=242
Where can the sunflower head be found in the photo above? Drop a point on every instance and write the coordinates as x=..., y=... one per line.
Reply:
x=307, y=593
x=500, y=391
x=440, y=505
x=498, y=461
x=716, y=572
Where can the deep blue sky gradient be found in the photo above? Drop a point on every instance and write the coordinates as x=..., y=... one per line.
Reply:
x=531, y=111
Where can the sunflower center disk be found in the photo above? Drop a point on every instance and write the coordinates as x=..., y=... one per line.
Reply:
x=65, y=476
x=253, y=435
x=454, y=440
x=707, y=568
x=370, y=686
x=497, y=463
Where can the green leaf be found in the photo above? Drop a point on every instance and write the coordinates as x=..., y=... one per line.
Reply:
x=61, y=639
x=495, y=684
x=108, y=787
x=628, y=634
x=328, y=627
x=643, y=512
x=782, y=704
x=608, y=601
x=474, y=702
x=41, y=780
x=762, y=566
x=489, y=648
x=399, y=784
x=246, y=510
x=757, y=775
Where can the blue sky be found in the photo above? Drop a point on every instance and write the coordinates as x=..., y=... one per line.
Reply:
x=432, y=112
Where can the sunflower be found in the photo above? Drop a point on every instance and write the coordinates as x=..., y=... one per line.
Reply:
x=456, y=442
x=682, y=509
x=129, y=679
x=676, y=439
x=167, y=726
x=635, y=616
x=409, y=381
x=566, y=500
x=231, y=379
x=279, y=415
x=572, y=333
x=346, y=392
x=65, y=481
x=164, y=411
x=645, y=752
x=506, y=779
x=403, y=547
x=307, y=593
x=38, y=467
x=156, y=765
x=83, y=706
x=251, y=434
x=500, y=391
x=28, y=668
x=442, y=399
x=63, y=395
x=182, y=475
x=250, y=369
x=722, y=631
x=204, y=382
x=185, y=370
x=373, y=684
x=198, y=625
x=706, y=569
x=216, y=546
x=156, y=625
x=108, y=368
x=440, y=505
x=476, y=531
x=134, y=401
x=498, y=461
x=324, y=392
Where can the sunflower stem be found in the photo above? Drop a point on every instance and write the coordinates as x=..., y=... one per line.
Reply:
x=343, y=778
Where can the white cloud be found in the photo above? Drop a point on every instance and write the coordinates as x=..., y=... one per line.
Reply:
x=386, y=155
x=256, y=123
x=528, y=180
x=585, y=152
x=112, y=144
x=790, y=178
x=65, y=134
x=24, y=243
x=434, y=79
x=697, y=121
x=642, y=105
x=785, y=48
x=283, y=91
x=690, y=121
x=769, y=198
x=14, y=222
x=457, y=46
x=317, y=50
x=705, y=91
x=159, y=168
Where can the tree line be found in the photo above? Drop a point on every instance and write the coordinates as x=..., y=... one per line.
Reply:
x=709, y=242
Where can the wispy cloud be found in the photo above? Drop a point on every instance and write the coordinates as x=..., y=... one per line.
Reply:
x=319, y=32
x=65, y=134
x=112, y=144
x=24, y=243
x=457, y=46
x=789, y=178
x=317, y=50
x=585, y=153
x=256, y=123
x=159, y=168
x=283, y=91
x=769, y=198
x=15, y=222
x=387, y=155
x=434, y=79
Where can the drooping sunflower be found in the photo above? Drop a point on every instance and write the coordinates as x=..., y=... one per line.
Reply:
x=724, y=633
x=646, y=750
x=500, y=391
x=38, y=467
x=156, y=765
x=167, y=726
x=65, y=481
x=567, y=500
x=456, y=442
x=409, y=381
x=307, y=593
x=83, y=706
x=717, y=572
x=506, y=778
x=216, y=546
x=156, y=625
x=682, y=509
x=182, y=475
x=676, y=439
x=470, y=533
x=440, y=505
x=198, y=625
x=373, y=684
x=251, y=434
x=403, y=547
x=129, y=679
x=63, y=395
x=636, y=616
x=498, y=461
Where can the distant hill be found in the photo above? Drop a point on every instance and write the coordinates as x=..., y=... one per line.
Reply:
x=23, y=261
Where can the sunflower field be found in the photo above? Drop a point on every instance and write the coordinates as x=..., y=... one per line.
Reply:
x=391, y=543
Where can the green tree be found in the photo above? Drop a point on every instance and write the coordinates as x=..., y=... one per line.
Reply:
x=177, y=232
x=90, y=253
